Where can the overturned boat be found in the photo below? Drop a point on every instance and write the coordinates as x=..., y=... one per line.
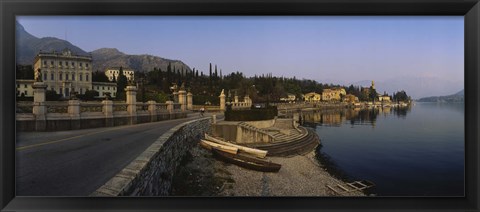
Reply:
x=256, y=152
x=211, y=145
x=245, y=161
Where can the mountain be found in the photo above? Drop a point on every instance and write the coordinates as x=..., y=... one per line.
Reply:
x=111, y=57
x=28, y=46
x=457, y=97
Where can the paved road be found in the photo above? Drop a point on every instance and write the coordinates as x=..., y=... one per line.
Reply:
x=76, y=163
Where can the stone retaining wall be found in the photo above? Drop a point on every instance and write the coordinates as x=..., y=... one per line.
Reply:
x=151, y=173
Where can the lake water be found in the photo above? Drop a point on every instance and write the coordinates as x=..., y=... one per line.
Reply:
x=415, y=151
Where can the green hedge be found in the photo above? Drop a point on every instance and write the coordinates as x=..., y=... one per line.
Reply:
x=254, y=114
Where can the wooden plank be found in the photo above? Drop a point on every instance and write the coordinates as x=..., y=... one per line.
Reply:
x=333, y=189
x=343, y=187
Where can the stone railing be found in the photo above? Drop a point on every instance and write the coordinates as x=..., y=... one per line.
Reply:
x=151, y=173
x=208, y=108
x=248, y=133
x=241, y=105
x=74, y=114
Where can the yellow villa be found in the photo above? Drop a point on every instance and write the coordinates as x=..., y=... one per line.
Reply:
x=334, y=94
x=312, y=97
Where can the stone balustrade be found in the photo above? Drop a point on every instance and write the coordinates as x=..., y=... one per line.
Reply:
x=75, y=114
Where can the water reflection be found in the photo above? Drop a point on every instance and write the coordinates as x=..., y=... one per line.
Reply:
x=353, y=116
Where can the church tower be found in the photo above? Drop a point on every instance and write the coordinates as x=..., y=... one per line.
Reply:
x=373, y=84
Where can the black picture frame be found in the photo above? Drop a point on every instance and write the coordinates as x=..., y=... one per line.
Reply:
x=9, y=9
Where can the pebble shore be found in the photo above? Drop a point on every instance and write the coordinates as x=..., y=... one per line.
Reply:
x=300, y=175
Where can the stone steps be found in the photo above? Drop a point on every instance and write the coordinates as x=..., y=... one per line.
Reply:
x=293, y=147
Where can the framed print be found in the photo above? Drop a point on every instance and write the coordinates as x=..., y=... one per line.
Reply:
x=258, y=105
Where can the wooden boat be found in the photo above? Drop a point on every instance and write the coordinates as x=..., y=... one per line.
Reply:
x=210, y=145
x=246, y=162
x=256, y=152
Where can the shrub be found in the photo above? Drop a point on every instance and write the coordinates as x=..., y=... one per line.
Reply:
x=254, y=114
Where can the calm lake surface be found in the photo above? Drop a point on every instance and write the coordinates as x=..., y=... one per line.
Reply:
x=415, y=151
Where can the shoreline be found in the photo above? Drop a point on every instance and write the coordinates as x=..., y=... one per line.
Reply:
x=300, y=175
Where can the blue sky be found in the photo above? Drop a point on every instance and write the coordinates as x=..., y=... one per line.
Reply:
x=324, y=48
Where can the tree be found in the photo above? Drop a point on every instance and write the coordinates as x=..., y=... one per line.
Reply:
x=121, y=82
x=401, y=96
x=24, y=72
x=372, y=95
x=51, y=95
x=99, y=77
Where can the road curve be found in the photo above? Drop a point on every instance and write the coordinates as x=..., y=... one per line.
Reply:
x=76, y=163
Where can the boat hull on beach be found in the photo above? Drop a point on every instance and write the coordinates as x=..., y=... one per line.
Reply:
x=211, y=145
x=246, y=162
x=256, y=152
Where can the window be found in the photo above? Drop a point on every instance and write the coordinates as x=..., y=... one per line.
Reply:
x=61, y=76
x=81, y=90
x=25, y=86
x=44, y=62
x=86, y=64
x=51, y=62
x=114, y=88
x=98, y=87
x=80, y=64
x=73, y=64
x=66, y=76
x=86, y=77
x=80, y=77
x=51, y=76
x=26, y=93
x=18, y=85
x=108, y=88
x=45, y=77
x=73, y=76
x=60, y=63
x=103, y=87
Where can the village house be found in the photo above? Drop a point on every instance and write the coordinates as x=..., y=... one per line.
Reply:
x=350, y=98
x=105, y=87
x=290, y=98
x=334, y=94
x=24, y=87
x=312, y=97
x=384, y=98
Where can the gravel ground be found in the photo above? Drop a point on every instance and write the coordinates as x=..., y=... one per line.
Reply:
x=301, y=175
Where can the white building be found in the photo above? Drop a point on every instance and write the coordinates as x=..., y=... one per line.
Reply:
x=112, y=73
x=105, y=87
x=24, y=86
x=64, y=72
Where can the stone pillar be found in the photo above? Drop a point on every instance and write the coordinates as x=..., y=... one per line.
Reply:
x=214, y=119
x=74, y=112
x=131, y=93
x=236, y=99
x=152, y=108
x=169, y=106
x=182, y=99
x=247, y=100
x=108, y=112
x=222, y=102
x=175, y=97
x=39, y=108
x=189, y=101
